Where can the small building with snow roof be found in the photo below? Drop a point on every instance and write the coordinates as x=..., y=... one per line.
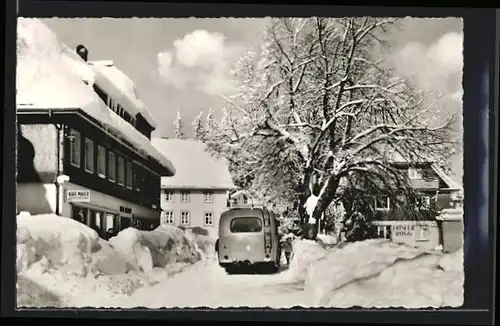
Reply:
x=198, y=192
x=438, y=192
x=84, y=148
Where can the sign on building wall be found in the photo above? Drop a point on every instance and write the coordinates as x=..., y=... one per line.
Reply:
x=404, y=230
x=78, y=196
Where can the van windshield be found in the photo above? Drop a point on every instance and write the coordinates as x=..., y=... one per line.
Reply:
x=245, y=224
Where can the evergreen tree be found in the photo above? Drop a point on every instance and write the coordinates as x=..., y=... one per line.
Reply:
x=179, y=133
x=199, y=128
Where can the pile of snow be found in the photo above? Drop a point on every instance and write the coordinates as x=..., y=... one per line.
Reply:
x=165, y=245
x=380, y=273
x=305, y=252
x=67, y=260
x=64, y=243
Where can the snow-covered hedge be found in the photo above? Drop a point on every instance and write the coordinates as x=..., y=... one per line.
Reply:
x=379, y=273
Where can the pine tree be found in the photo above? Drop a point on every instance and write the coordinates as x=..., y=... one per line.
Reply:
x=199, y=128
x=210, y=124
x=179, y=133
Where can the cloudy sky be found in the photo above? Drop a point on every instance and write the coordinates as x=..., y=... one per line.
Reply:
x=184, y=64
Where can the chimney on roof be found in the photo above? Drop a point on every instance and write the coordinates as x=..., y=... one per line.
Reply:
x=82, y=52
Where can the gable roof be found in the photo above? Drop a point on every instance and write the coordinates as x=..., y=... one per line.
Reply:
x=50, y=75
x=196, y=168
x=119, y=86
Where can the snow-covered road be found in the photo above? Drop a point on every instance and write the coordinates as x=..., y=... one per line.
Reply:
x=205, y=284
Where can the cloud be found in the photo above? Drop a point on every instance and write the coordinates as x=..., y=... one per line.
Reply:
x=437, y=67
x=200, y=59
x=169, y=73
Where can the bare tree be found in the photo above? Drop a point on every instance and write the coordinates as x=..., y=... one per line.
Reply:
x=179, y=127
x=199, y=131
x=317, y=108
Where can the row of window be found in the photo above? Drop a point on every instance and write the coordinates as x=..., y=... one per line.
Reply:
x=115, y=106
x=186, y=196
x=169, y=218
x=384, y=202
x=110, y=166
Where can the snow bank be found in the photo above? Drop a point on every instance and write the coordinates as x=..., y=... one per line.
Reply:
x=380, y=273
x=65, y=243
x=70, y=264
x=165, y=245
x=305, y=252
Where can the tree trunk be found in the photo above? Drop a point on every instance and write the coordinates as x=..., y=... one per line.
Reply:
x=323, y=203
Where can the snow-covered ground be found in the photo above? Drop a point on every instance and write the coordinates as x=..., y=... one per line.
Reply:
x=61, y=262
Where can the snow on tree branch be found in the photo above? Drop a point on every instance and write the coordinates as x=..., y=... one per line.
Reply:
x=315, y=106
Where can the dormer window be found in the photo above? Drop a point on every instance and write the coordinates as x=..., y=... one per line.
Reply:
x=414, y=174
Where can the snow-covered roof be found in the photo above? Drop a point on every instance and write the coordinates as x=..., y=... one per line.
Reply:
x=240, y=192
x=196, y=168
x=445, y=177
x=51, y=76
x=121, y=88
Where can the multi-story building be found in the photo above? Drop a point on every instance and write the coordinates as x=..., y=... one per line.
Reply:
x=84, y=147
x=438, y=192
x=197, y=194
x=243, y=198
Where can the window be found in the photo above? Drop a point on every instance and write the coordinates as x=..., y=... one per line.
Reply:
x=426, y=201
x=245, y=200
x=209, y=218
x=184, y=196
x=168, y=217
x=207, y=197
x=111, y=166
x=423, y=234
x=414, y=174
x=384, y=231
x=121, y=171
x=75, y=148
x=245, y=225
x=101, y=161
x=89, y=155
x=129, y=175
x=184, y=218
x=137, y=177
x=169, y=195
x=382, y=203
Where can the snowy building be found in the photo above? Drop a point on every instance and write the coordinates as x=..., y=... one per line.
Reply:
x=242, y=198
x=197, y=194
x=438, y=191
x=84, y=147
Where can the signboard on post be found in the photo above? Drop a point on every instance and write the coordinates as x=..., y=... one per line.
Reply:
x=78, y=196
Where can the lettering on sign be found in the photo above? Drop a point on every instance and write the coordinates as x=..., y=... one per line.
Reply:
x=78, y=196
x=404, y=230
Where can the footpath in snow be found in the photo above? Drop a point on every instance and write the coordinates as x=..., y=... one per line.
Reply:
x=63, y=263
